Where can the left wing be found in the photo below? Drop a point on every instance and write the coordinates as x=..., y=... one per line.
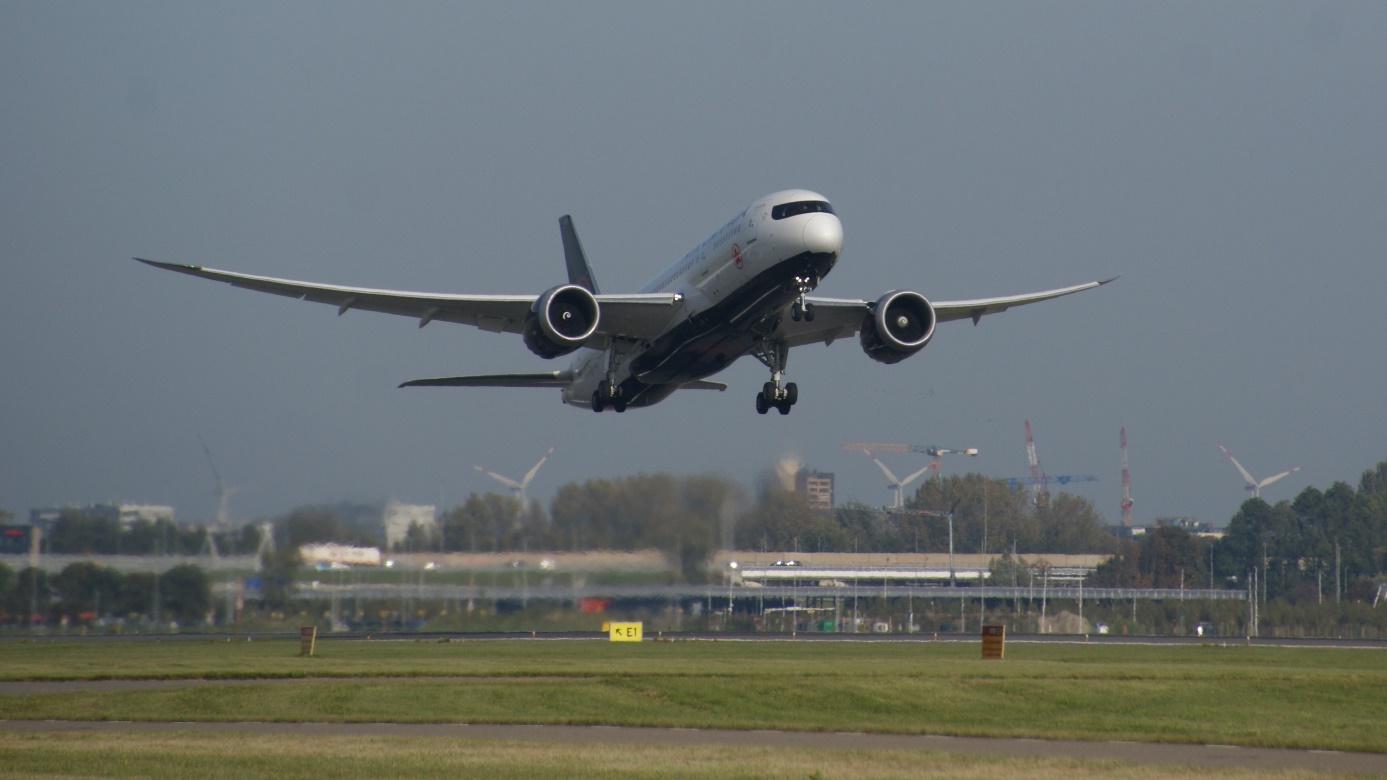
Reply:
x=636, y=316
x=547, y=379
x=835, y=318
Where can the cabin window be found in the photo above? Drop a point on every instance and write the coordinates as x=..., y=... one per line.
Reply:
x=800, y=207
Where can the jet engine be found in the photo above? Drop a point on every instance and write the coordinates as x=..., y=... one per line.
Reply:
x=560, y=321
x=901, y=323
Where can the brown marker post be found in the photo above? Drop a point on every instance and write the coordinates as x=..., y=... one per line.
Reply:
x=308, y=635
x=993, y=641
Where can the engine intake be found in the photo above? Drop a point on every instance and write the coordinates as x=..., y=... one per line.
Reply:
x=901, y=324
x=560, y=321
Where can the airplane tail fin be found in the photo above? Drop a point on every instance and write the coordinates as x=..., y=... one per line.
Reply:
x=579, y=272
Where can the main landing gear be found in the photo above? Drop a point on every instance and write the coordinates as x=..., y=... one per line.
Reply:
x=606, y=395
x=608, y=392
x=773, y=356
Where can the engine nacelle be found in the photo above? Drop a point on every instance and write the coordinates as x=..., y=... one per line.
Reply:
x=901, y=324
x=560, y=321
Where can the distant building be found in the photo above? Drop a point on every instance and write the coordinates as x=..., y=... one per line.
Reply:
x=816, y=487
x=1196, y=527
x=338, y=555
x=126, y=514
x=398, y=518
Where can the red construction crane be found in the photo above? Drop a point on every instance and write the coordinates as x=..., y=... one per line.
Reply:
x=1126, y=484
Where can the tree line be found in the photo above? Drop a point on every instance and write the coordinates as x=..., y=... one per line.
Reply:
x=1320, y=546
x=75, y=532
x=1322, y=542
x=84, y=591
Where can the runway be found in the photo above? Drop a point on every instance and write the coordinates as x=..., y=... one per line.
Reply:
x=1212, y=756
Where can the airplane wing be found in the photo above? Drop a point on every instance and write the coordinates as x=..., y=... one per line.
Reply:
x=547, y=379
x=835, y=318
x=636, y=316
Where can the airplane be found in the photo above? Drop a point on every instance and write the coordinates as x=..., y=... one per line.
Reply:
x=743, y=291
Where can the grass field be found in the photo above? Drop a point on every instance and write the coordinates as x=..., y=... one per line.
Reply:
x=326, y=758
x=1255, y=696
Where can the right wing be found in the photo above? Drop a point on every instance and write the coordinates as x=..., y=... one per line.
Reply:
x=835, y=318
x=641, y=316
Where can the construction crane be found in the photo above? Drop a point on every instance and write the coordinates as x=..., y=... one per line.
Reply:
x=1126, y=484
x=1039, y=481
x=932, y=451
x=1063, y=479
x=920, y=448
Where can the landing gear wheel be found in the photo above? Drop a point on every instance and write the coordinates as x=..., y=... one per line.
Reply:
x=783, y=405
x=770, y=391
x=808, y=312
x=619, y=405
x=762, y=406
x=791, y=394
x=597, y=403
x=794, y=311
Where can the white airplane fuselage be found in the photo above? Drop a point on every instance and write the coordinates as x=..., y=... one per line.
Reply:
x=734, y=288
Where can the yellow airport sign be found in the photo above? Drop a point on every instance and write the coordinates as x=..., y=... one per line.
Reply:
x=624, y=632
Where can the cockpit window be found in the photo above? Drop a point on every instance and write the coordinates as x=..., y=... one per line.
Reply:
x=800, y=207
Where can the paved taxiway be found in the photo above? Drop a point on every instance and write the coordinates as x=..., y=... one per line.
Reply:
x=1213, y=756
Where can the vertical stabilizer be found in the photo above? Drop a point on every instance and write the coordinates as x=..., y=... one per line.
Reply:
x=579, y=272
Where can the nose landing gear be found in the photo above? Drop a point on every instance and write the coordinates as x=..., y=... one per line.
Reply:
x=802, y=308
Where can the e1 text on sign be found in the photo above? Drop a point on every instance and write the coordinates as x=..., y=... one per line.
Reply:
x=625, y=632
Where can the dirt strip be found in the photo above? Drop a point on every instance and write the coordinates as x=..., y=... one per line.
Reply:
x=1136, y=752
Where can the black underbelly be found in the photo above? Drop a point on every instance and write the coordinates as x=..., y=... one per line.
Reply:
x=710, y=341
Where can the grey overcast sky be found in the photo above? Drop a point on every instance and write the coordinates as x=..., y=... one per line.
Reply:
x=1229, y=160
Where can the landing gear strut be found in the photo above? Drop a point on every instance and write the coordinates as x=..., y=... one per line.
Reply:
x=608, y=392
x=773, y=355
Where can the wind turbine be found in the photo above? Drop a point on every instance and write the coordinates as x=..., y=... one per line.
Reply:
x=898, y=485
x=518, y=488
x=1253, y=486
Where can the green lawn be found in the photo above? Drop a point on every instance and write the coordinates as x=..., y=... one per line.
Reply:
x=1258, y=696
x=205, y=755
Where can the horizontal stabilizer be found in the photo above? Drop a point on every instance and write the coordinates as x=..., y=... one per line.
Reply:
x=550, y=379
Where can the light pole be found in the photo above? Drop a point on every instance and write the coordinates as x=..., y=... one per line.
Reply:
x=950, y=515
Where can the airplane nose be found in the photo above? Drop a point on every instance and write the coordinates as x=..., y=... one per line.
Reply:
x=823, y=234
